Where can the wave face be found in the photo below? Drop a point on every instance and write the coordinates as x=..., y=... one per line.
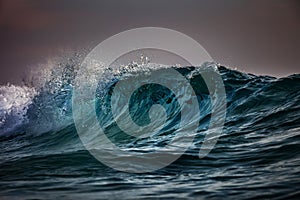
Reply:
x=257, y=155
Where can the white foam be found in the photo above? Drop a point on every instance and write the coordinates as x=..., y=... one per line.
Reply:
x=14, y=103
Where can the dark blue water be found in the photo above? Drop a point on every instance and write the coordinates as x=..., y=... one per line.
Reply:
x=256, y=157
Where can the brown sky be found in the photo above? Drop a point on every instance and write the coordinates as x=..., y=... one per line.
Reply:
x=257, y=36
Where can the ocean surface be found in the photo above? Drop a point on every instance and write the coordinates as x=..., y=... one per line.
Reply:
x=256, y=157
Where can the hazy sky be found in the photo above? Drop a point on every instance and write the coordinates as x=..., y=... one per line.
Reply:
x=258, y=36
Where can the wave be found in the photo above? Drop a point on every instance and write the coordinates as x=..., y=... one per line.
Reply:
x=50, y=105
x=261, y=130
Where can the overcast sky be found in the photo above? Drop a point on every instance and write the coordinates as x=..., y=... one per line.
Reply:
x=257, y=36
